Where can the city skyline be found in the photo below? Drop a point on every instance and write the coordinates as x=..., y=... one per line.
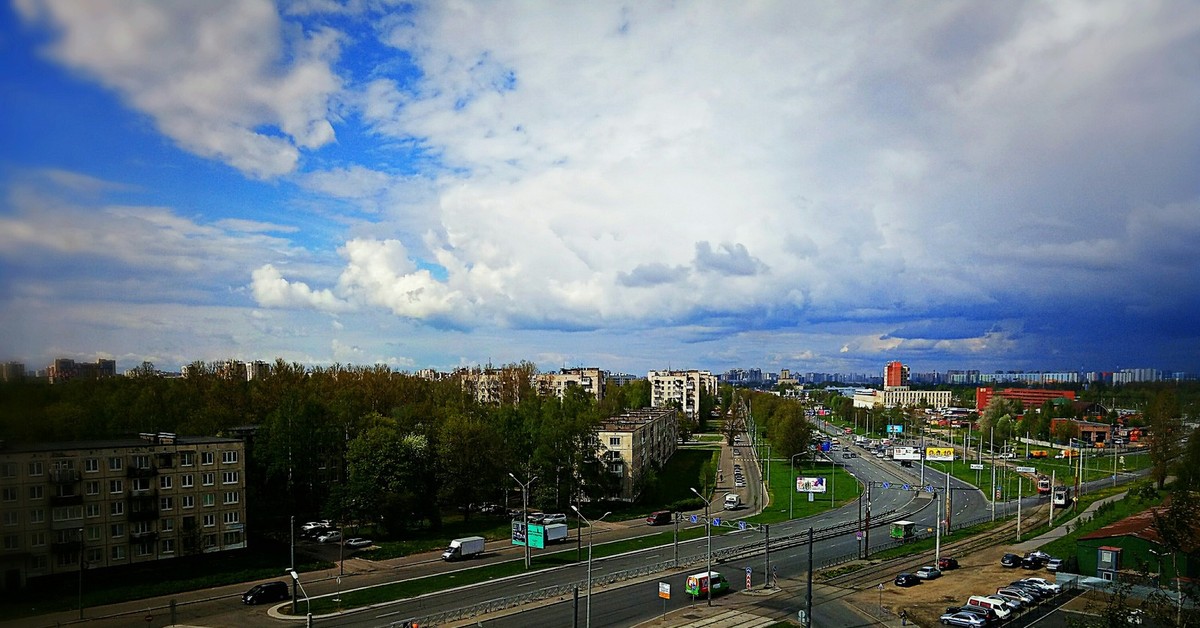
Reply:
x=798, y=186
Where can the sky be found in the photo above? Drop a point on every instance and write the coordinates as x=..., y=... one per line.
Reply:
x=817, y=186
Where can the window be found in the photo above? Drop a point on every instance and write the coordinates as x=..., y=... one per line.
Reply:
x=210, y=521
x=209, y=479
x=166, y=503
x=231, y=497
x=117, y=553
x=92, y=510
x=36, y=492
x=210, y=499
x=141, y=527
x=91, y=465
x=115, y=463
x=229, y=477
x=115, y=486
x=9, y=494
x=37, y=515
x=37, y=539
x=35, y=468
x=233, y=538
x=93, y=533
x=168, y=546
x=11, y=518
x=188, y=501
x=187, y=480
x=12, y=542
x=168, y=525
x=8, y=470
x=141, y=462
x=164, y=482
x=229, y=457
x=187, y=458
x=93, y=487
x=67, y=513
x=614, y=441
x=139, y=485
x=117, y=530
x=66, y=559
x=206, y=457
x=116, y=508
x=232, y=516
x=95, y=555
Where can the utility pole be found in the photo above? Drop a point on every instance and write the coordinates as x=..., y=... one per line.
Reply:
x=991, y=442
x=867, y=527
x=808, y=595
x=1051, y=521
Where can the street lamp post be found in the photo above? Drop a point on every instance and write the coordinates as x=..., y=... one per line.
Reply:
x=591, y=532
x=524, y=512
x=81, y=550
x=296, y=578
x=708, y=530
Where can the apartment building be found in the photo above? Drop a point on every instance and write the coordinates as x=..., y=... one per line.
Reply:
x=684, y=387
x=65, y=369
x=591, y=380
x=636, y=441
x=97, y=504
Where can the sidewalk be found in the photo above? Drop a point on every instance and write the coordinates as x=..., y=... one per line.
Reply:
x=1061, y=531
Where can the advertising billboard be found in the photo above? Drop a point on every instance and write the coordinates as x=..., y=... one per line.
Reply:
x=906, y=453
x=939, y=453
x=895, y=429
x=810, y=485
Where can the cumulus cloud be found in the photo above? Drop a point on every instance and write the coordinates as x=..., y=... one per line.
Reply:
x=213, y=75
x=651, y=274
x=272, y=290
x=728, y=259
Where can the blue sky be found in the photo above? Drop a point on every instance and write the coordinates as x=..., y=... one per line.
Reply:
x=803, y=185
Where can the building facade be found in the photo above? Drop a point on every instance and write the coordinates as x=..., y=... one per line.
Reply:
x=1029, y=397
x=895, y=375
x=684, y=387
x=66, y=369
x=591, y=380
x=634, y=442
x=889, y=398
x=97, y=504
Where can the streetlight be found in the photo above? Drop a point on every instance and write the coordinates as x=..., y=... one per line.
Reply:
x=708, y=530
x=524, y=512
x=591, y=532
x=296, y=578
x=792, y=491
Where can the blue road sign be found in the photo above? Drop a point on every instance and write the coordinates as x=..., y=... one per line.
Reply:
x=694, y=518
x=887, y=485
x=716, y=521
x=907, y=487
x=742, y=525
x=928, y=488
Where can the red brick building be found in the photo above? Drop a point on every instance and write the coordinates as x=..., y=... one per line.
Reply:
x=1030, y=397
x=895, y=374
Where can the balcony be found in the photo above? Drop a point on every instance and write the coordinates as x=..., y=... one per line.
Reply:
x=143, y=515
x=140, y=472
x=143, y=537
x=64, y=476
x=66, y=500
x=66, y=547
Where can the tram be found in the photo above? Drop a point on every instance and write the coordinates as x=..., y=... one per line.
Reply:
x=1043, y=485
x=1062, y=495
x=904, y=530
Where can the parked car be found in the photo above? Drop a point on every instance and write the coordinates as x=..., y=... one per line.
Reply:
x=1039, y=554
x=946, y=562
x=659, y=517
x=359, y=542
x=963, y=619
x=907, y=580
x=1031, y=562
x=928, y=573
x=1031, y=589
x=266, y=592
x=1010, y=560
x=535, y=517
x=1016, y=597
x=322, y=523
x=491, y=509
x=1053, y=564
x=987, y=614
x=1043, y=584
x=332, y=536
x=554, y=518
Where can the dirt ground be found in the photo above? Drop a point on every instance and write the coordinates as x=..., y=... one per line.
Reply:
x=979, y=573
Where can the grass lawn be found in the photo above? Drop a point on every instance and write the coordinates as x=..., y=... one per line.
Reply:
x=843, y=487
x=1109, y=513
x=925, y=545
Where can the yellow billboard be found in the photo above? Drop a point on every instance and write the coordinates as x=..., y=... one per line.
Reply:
x=939, y=453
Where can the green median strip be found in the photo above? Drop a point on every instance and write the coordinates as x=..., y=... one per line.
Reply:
x=429, y=584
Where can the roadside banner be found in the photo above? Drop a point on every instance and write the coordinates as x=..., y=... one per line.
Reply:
x=939, y=453
x=906, y=453
x=977, y=466
x=810, y=485
x=1026, y=470
x=895, y=429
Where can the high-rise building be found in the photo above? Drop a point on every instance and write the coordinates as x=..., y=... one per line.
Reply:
x=683, y=387
x=634, y=443
x=895, y=375
x=96, y=504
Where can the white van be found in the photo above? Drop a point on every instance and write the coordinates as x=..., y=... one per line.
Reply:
x=994, y=604
x=732, y=501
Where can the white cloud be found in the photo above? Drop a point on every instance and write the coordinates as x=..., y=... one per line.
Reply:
x=272, y=290
x=212, y=75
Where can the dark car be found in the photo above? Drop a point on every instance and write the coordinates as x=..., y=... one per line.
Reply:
x=1010, y=560
x=1032, y=562
x=906, y=463
x=907, y=580
x=267, y=592
x=947, y=563
x=659, y=517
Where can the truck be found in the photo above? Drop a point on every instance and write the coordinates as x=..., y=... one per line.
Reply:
x=465, y=547
x=697, y=584
x=555, y=532
x=732, y=501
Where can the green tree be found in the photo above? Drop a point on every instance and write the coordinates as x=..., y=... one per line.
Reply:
x=1166, y=431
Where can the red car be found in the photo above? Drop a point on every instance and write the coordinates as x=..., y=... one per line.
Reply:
x=947, y=563
x=659, y=517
